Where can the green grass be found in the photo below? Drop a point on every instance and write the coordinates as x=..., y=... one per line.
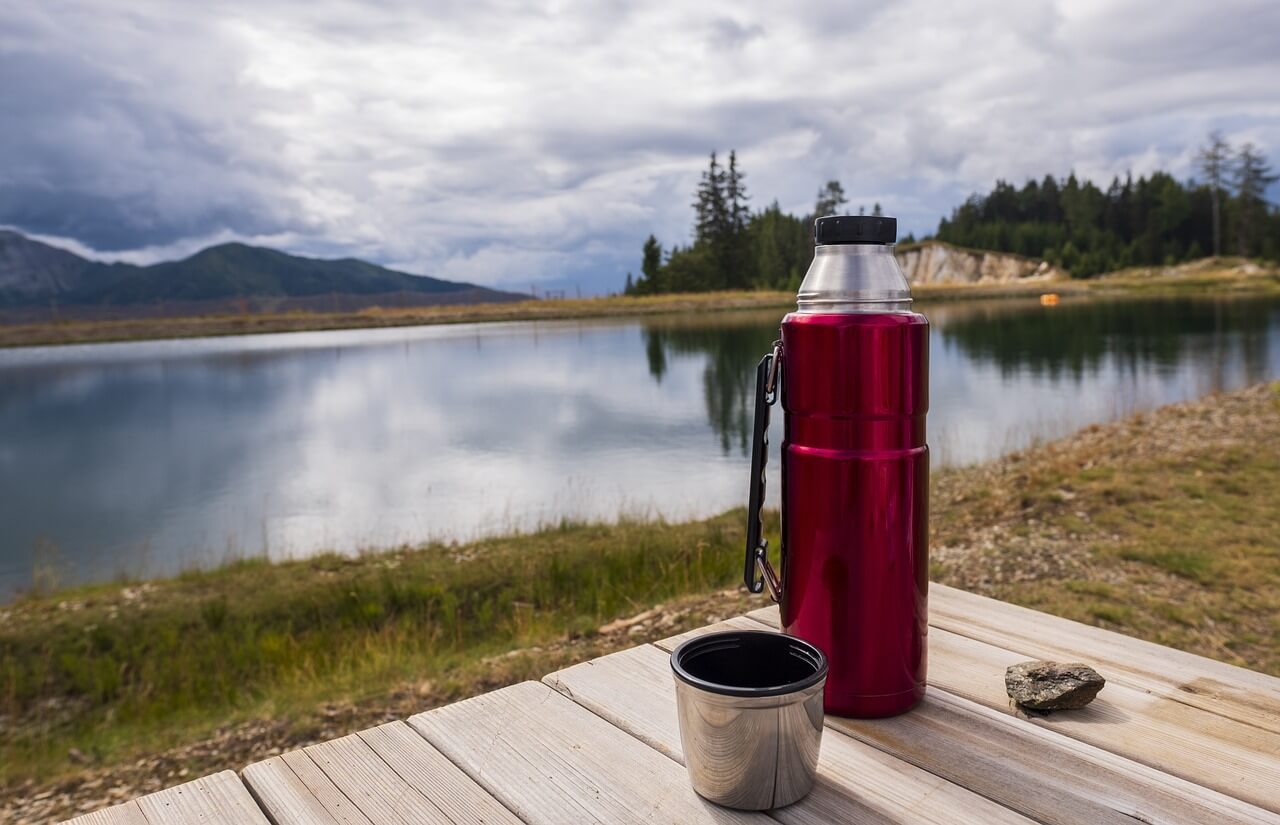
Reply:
x=1196, y=564
x=111, y=672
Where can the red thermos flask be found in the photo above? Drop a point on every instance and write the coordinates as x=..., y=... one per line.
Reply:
x=852, y=367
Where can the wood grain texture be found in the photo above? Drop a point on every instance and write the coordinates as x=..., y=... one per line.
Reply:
x=434, y=776
x=1172, y=738
x=633, y=689
x=1226, y=690
x=218, y=798
x=1148, y=754
x=373, y=786
x=551, y=760
x=292, y=790
x=127, y=813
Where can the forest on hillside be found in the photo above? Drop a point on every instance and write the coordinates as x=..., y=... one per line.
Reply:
x=1076, y=224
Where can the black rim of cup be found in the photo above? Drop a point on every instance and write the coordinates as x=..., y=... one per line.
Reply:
x=749, y=663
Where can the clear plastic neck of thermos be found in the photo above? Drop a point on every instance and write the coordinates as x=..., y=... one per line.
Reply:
x=854, y=278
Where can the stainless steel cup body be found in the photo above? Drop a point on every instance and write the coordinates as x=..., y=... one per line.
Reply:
x=751, y=752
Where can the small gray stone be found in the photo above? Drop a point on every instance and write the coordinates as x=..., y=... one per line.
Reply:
x=1052, y=685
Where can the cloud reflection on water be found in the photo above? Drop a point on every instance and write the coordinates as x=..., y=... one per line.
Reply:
x=154, y=457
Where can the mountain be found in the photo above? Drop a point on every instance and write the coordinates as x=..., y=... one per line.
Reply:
x=37, y=279
x=30, y=269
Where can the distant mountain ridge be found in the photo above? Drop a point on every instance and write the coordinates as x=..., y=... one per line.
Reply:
x=37, y=279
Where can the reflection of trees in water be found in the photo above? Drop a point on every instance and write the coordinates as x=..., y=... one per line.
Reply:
x=732, y=349
x=1076, y=336
x=1063, y=342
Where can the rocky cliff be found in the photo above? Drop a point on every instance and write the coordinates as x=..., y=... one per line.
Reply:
x=933, y=262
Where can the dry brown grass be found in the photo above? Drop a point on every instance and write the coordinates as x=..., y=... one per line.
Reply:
x=1165, y=526
x=85, y=332
x=1210, y=275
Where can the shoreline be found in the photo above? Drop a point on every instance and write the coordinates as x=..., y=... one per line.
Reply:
x=1161, y=526
x=1208, y=277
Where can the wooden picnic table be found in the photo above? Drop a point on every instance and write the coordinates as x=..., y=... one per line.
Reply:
x=1173, y=737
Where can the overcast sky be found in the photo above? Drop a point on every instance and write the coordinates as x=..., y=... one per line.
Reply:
x=511, y=145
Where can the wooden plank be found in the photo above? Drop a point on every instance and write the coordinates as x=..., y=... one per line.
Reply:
x=732, y=623
x=372, y=785
x=553, y=761
x=1220, y=753
x=634, y=690
x=389, y=762
x=1215, y=687
x=127, y=813
x=292, y=790
x=1046, y=775
x=220, y=798
x=434, y=776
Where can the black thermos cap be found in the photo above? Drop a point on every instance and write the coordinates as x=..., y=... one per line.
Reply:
x=838, y=229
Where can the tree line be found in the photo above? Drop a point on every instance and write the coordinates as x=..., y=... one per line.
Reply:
x=734, y=247
x=1072, y=223
x=1150, y=221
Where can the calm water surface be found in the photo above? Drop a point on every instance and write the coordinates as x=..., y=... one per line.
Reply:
x=148, y=458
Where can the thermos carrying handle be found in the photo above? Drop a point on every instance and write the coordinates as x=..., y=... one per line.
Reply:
x=767, y=373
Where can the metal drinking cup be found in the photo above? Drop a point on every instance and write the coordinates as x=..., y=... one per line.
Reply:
x=750, y=710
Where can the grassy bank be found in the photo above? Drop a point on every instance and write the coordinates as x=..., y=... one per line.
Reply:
x=1210, y=275
x=113, y=671
x=1164, y=526
x=87, y=332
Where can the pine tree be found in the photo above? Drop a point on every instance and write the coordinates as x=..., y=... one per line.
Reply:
x=722, y=216
x=651, y=266
x=1213, y=160
x=875, y=210
x=830, y=199
x=736, y=258
x=710, y=207
x=630, y=287
x=1251, y=176
x=735, y=192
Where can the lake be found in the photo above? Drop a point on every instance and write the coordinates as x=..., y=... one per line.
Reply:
x=148, y=458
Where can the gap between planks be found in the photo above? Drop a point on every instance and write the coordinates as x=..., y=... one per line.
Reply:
x=218, y=798
x=1212, y=686
x=1046, y=775
x=1220, y=753
x=633, y=691
x=550, y=761
x=387, y=775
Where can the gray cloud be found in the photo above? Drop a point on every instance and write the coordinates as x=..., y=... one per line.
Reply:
x=122, y=152
x=727, y=33
x=511, y=145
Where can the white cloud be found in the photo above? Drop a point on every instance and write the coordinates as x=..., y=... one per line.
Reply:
x=506, y=143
